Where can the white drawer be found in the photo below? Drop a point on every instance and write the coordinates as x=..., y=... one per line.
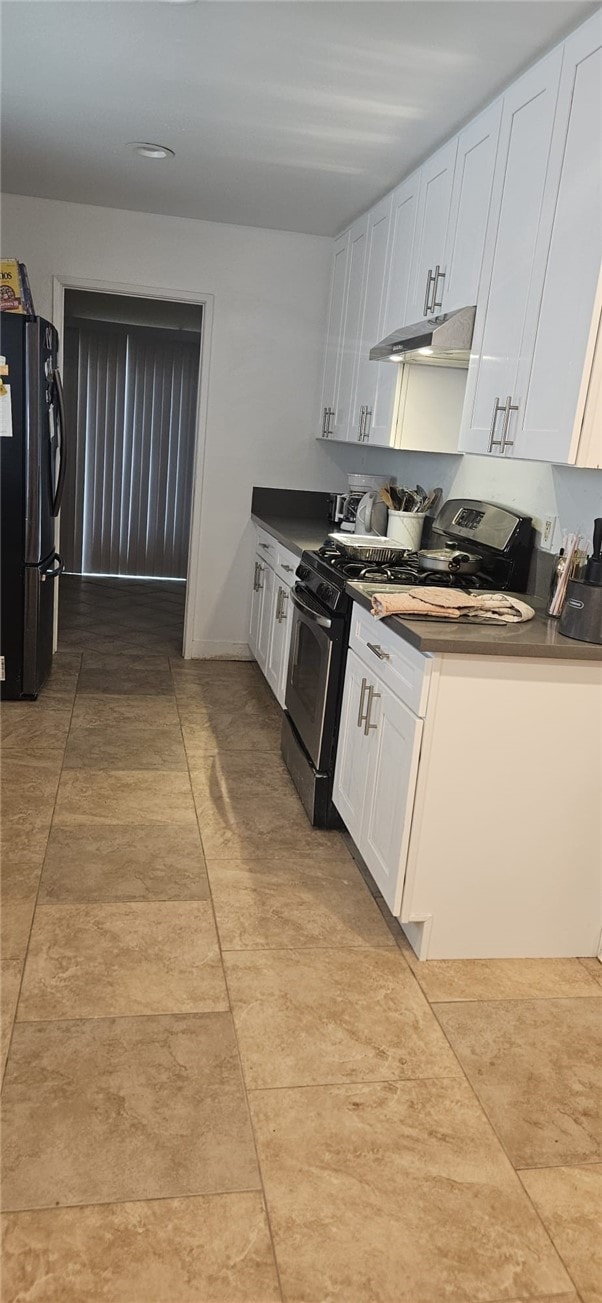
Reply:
x=286, y=564
x=267, y=546
x=405, y=670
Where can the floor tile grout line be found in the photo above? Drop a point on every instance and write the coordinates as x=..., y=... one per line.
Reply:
x=35, y=904
x=238, y=1050
x=156, y=1198
x=502, y=1146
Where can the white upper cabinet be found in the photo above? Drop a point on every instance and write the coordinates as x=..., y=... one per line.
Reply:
x=470, y=200
x=428, y=261
x=371, y=418
x=334, y=339
x=517, y=209
x=550, y=376
x=351, y=334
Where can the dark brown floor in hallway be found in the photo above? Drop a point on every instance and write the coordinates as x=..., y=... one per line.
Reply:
x=108, y=614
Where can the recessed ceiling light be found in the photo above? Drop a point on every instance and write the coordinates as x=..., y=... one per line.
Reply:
x=148, y=150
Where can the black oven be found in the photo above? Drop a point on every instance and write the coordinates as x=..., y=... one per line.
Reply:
x=313, y=699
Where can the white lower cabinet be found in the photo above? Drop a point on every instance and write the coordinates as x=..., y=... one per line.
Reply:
x=375, y=778
x=444, y=772
x=270, y=622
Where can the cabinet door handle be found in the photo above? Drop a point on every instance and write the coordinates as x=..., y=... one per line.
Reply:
x=372, y=696
x=330, y=418
x=439, y=276
x=497, y=408
x=427, y=296
x=378, y=651
x=278, y=605
x=510, y=407
x=360, y=433
x=283, y=615
x=255, y=578
x=288, y=568
x=325, y=422
x=361, y=718
x=367, y=423
x=259, y=574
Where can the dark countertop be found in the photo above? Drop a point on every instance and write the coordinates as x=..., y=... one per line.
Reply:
x=537, y=637
x=299, y=533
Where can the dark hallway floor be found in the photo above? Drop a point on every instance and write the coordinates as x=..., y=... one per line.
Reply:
x=121, y=615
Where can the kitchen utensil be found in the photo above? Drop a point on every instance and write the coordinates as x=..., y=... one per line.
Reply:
x=367, y=548
x=450, y=559
x=432, y=501
x=387, y=499
x=593, y=569
x=371, y=515
x=406, y=528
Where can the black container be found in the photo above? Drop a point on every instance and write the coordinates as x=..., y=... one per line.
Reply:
x=582, y=612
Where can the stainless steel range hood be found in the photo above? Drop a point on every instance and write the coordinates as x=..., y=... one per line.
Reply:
x=437, y=341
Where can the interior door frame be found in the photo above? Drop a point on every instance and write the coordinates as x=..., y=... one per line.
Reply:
x=206, y=302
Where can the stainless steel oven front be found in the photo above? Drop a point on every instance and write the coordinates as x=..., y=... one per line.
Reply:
x=314, y=678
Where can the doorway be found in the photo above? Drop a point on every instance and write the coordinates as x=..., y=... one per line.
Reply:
x=131, y=373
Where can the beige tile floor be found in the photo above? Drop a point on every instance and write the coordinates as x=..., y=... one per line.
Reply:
x=228, y=1079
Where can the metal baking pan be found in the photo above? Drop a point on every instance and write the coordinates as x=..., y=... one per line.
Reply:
x=370, y=547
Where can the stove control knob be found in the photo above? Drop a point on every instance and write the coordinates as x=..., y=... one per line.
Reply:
x=302, y=572
x=325, y=593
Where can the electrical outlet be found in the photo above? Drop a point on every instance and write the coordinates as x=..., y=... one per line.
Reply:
x=548, y=533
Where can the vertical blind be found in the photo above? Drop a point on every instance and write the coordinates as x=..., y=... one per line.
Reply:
x=131, y=411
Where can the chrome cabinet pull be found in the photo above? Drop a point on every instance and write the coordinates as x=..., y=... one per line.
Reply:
x=367, y=423
x=427, y=296
x=360, y=434
x=439, y=276
x=361, y=718
x=266, y=546
x=325, y=422
x=260, y=569
x=372, y=696
x=510, y=407
x=330, y=418
x=256, y=578
x=497, y=408
x=279, y=605
x=289, y=568
x=283, y=615
x=378, y=651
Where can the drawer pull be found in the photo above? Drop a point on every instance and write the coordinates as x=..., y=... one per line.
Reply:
x=372, y=696
x=378, y=651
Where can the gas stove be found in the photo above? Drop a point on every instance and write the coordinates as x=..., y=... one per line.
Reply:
x=406, y=572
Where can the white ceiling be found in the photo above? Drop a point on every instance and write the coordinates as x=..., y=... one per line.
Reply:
x=284, y=114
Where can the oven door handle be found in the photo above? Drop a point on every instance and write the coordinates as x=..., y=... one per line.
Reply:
x=322, y=620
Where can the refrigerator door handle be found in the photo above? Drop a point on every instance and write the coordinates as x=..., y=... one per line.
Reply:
x=60, y=416
x=50, y=573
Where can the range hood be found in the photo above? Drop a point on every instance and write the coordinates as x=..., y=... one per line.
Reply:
x=437, y=341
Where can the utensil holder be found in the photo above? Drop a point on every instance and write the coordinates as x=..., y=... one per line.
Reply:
x=406, y=528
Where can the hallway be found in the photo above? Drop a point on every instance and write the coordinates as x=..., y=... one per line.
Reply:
x=112, y=614
x=228, y=1080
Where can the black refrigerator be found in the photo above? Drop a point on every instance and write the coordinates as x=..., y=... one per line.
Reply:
x=32, y=475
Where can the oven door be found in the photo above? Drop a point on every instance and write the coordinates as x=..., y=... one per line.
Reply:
x=313, y=686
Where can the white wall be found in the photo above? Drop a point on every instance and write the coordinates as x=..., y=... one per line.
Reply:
x=270, y=291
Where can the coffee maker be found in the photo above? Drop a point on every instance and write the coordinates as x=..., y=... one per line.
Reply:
x=359, y=487
x=582, y=611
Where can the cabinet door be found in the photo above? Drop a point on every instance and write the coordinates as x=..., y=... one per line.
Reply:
x=436, y=180
x=510, y=247
x=279, y=642
x=353, y=749
x=334, y=338
x=268, y=579
x=366, y=423
x=256, y=605
x=470, y=202
x=342, y=423
x=389, y=797
x=549, y=379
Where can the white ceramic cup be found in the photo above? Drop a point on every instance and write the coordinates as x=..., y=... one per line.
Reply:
x=406, y=527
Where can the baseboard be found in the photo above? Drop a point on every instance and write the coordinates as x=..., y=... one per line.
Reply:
x=220, y=651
